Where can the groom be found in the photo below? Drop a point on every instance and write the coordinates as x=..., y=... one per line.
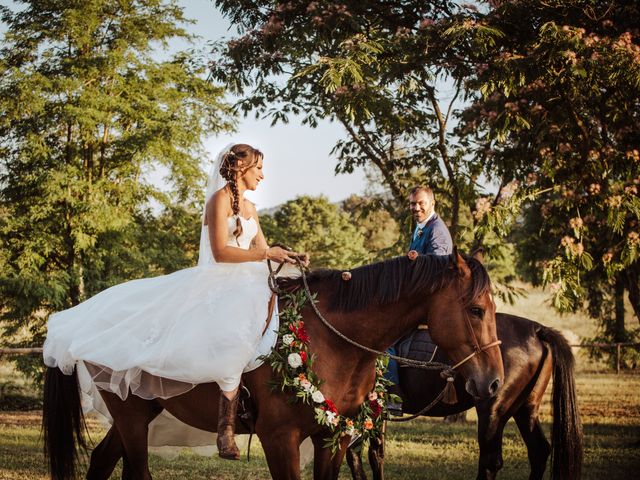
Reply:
x=431, y=236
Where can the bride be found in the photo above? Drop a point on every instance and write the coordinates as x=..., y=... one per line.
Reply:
x=159, y=337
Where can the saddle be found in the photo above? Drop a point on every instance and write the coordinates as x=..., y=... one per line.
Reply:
x=417, y=345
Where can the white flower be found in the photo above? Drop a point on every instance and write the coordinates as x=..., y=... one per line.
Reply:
x=330, y=418
x=381, y=402
x=317, y=396
x=373, y=396
x=287, y=339
x=294, y=360
x=305, y=384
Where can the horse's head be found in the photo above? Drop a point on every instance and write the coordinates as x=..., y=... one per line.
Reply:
x=462, y=321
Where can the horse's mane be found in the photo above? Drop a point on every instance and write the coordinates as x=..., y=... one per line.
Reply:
x=384, y=282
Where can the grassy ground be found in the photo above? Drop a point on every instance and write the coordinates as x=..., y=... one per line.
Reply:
x=423, y=449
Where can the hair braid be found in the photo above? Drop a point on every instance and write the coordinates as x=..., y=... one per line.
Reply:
x=235, y=206
x=229, y=170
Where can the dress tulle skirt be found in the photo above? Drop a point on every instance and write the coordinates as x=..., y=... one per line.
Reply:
x=161, y=336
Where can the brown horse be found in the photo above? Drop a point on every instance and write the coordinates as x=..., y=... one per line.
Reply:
x=531, y=353
x=452, y=291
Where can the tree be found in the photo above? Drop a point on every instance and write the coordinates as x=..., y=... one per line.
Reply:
x=85, y=114
x=379, y=229
x=377, y=67
x=320, y=228
x=558, y=107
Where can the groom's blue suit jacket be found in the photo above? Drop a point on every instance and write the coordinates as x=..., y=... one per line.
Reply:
x=435, y=238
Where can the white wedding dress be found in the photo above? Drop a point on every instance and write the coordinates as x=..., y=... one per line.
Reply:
x=161, y=336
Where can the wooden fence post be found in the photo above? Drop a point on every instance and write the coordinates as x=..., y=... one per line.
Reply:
x=618, y=358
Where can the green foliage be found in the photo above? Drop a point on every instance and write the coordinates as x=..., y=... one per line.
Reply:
x=381, y=232
x=558, y=110
x=320, y=228
x=86, y=114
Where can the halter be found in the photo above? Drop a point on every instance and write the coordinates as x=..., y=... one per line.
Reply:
x=477, y=349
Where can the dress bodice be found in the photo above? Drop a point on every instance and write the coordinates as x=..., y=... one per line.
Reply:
x=249, y=230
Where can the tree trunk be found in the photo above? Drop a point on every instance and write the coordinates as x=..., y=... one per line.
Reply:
x=455, y=210
x=618, y=327
x=632, y=273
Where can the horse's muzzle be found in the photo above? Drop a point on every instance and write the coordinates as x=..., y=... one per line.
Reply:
x=484, y=391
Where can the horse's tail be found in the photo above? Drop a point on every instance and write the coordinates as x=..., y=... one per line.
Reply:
x=62, y=423
x=566, y=433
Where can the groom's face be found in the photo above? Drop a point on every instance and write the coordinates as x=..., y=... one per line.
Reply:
x=420, y=205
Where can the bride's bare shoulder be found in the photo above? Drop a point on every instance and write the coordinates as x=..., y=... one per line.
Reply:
x=219, y=203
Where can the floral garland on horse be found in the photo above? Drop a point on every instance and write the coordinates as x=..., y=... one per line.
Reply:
x=291, y=359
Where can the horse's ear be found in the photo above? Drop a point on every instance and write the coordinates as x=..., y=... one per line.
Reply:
x=459, y=263
x=478, y=254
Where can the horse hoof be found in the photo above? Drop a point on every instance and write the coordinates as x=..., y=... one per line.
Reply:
x=229, y=455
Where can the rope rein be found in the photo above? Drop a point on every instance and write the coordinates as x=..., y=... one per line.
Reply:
x=447, y=372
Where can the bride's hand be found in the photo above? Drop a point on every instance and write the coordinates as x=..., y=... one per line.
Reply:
x=280, y=255
x=304, y=258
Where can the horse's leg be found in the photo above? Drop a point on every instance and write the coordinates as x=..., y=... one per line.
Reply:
x=376, y=454
x=326, y=466
x=490, y=429
x=105, y=456
x=354, y=460
x=282, y=450
x=131, y=418
x=538, y=448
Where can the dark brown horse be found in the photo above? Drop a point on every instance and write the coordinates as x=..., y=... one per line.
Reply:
x=453, y=292
x=531, y=353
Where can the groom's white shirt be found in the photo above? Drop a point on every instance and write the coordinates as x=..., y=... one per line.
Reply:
x=421, y=225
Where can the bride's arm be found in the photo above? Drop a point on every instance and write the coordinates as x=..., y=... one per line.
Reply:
x=261, y=243
x=217, y=213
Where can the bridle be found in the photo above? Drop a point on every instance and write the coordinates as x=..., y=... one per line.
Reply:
x=448, y=371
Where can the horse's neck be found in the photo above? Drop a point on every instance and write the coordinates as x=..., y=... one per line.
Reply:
x=378, y=326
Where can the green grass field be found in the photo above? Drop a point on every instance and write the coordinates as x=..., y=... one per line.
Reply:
x=422, y=449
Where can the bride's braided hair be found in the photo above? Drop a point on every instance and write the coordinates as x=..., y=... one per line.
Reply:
x=229, y=169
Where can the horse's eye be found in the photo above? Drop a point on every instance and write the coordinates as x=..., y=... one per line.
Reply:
x=477, y=312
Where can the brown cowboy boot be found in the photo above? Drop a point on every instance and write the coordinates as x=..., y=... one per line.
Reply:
x=227, y=409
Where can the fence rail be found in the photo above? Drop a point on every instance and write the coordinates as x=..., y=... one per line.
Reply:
x=618, y=346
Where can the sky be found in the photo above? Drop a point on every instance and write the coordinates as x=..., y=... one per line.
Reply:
x=297, y=160
x=296, y=157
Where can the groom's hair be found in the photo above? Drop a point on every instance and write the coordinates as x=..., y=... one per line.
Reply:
x=425, y=189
